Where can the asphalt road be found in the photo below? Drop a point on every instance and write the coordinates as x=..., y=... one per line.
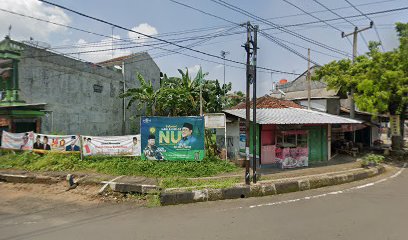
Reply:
x=375, y=208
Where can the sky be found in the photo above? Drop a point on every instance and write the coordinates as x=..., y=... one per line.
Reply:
x=173, y=22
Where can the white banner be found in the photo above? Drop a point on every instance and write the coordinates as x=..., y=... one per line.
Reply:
x=214, y=120
x=111, y=145
x=57, y=143
x=21, y=141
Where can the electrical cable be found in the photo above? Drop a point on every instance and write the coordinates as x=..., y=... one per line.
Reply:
x=365, y=15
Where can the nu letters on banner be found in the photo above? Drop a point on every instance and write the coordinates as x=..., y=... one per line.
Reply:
x=172, y=138
x=111, y=145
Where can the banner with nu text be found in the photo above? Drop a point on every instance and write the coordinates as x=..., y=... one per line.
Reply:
x=111, y=145
x=20, y=141
x=172, y=138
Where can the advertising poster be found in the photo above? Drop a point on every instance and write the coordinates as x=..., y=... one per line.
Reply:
x=20, y=141
x=111, y=145
x=56, y=143
x=172, y=138
x=292, y=157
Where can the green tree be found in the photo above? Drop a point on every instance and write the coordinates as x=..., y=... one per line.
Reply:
x=234, y=99
x=380, y=79
x=144, y=96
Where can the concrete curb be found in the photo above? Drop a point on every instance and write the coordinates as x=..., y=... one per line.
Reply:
x=181, y=195
x=14, y=178
x=121, y=187
x=265, y=188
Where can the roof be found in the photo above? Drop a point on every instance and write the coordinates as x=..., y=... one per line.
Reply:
x=118, y=60
x=321, y=93
x=292, y=116
x=269, y=102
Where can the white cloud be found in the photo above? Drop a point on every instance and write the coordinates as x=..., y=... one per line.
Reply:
x=192, y=71
x=99, y=51
x=23, y=28
x=144, y=28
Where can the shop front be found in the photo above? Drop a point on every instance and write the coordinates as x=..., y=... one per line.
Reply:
x=289, y=137
x=290, y=146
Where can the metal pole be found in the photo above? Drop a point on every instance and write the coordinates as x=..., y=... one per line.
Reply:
x=247, y=48
x=255, y=46
x=201, y=101
x=225, y=137
x=124, y=100
x=308, y=80
x=223, y=54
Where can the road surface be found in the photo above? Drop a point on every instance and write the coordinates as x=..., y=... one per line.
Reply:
x=375, y=208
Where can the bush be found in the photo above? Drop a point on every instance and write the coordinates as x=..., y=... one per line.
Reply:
x=372, y=159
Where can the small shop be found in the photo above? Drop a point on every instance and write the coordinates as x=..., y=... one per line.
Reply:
x=289, y=137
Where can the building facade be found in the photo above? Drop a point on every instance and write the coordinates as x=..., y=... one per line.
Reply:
x=82, y=97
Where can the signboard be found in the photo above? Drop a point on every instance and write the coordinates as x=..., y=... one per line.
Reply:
x=111, y=145
x=395, y=125
x=242, y=136
x=20, y=141
x=172, y=138
x=56, y=143
x=215, y=120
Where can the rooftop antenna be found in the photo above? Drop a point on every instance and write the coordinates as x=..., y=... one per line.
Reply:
x=9, y=31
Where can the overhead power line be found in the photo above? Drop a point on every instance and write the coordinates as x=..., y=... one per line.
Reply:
x=284, y=29
x=149, y=36
x=271, y=38
x=365, y=15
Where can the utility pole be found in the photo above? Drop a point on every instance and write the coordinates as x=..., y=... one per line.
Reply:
x=112, y=40
x=309, y=87
x=354, y=33
x=254, y=140
x=247, y=102
x=250, y=79
x=223, y=54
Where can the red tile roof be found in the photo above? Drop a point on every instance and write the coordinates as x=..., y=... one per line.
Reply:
x=269, y=102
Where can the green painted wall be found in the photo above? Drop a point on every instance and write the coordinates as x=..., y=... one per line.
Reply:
x=317, y=143
x=251, y=139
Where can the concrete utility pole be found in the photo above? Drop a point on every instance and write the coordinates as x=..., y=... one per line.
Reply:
x=354, y=33
x=309, y=87
x=223, y=54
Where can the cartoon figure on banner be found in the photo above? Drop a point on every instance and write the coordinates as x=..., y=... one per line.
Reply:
x=135, y=147
x=187, y=138
x=46, y=146
x=38, y=144
x=151, y=151
x=72, y=146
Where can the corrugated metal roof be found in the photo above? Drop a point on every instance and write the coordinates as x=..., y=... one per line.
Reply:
x=292, y=116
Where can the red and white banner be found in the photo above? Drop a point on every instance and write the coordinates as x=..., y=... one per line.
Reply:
x=111, y=145
x=57, y=143
x=20, y=141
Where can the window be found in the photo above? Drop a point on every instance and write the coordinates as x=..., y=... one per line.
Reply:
x=97, y=88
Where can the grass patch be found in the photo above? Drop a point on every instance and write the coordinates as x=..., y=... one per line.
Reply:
x=199, y=183
x=130, y=166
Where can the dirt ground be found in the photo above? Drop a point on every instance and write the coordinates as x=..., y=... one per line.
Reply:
x=20, y=198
